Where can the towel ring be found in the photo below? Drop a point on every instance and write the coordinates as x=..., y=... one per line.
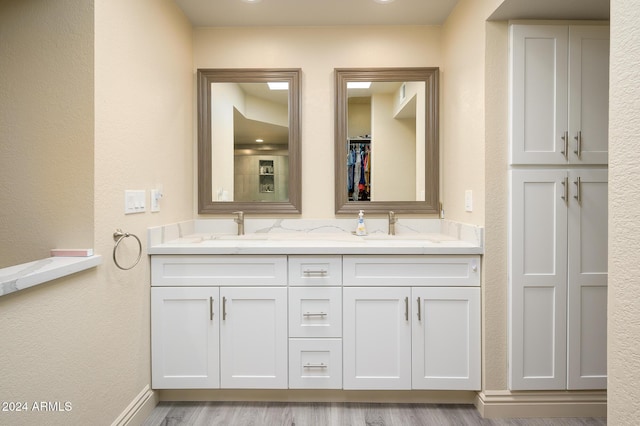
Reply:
x=118, y=236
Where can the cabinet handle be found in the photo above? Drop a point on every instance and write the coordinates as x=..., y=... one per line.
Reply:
x=211, y=308
x=406, y=309
x=321, y=365
x=578, y=138
x=565, y=147
x=565, y=189
x=224, y=308
x=314, y=314
x=314, y=272
x=578, y=184
x=419, y=310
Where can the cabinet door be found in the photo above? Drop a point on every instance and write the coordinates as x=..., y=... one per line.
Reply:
x=538, y=93
x=446, y=338
x=588, y=94
x=253, y=337
x=184, y=337
x=376, y=338
x=538, y=284
x=587, y=316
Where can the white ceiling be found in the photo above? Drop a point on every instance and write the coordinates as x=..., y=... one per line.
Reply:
x=225, y=13
x=211, y=13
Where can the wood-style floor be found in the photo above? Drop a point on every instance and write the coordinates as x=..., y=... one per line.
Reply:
x=335, y=414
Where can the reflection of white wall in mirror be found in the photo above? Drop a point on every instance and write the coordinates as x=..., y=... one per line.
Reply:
x=266, y=111
x=393, y=145
x=413, y=104
x=224, y=97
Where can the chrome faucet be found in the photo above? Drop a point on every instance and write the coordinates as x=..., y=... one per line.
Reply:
x=392, y=223
x=240, y=221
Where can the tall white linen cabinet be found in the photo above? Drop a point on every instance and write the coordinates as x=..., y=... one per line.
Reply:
x=559, y=79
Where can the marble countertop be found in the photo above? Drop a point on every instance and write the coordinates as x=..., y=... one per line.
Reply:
x=297, y=236
x=25, y=275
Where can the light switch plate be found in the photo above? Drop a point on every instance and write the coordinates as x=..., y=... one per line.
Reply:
x=468, y=200
x=134, y=201
x=154, y=200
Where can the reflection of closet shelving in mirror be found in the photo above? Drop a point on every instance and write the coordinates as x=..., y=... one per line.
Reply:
x=267, y=173
x=359, y=168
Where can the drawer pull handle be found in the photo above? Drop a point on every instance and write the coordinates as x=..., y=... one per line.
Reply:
x=314, y=314
x=321, y=365
x=314, y=272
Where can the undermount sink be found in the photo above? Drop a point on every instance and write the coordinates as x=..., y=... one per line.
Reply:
x=426, y=237
x=288, y=236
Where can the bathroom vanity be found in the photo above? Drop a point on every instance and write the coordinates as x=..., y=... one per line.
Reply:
x=298, y=304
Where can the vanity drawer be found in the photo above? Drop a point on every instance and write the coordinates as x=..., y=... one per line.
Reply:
x=315, y=363
x=315, y=270
x=425, y=270
x=315, y=311
x=208, y=270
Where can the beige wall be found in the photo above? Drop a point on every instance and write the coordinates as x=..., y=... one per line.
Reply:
x=317, y=50
x=462, y=109
x=473, y=144
x=624, y=209
x=495, y=283
x=46, y=122
x=85, y=338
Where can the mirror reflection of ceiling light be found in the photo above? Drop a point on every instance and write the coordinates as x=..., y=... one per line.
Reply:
x=278, y=85
x=259, y=140
x=254, y=1
x=358, y=84
x=377, y=1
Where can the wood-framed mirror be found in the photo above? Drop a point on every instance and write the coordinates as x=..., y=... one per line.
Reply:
x=387, y=140
x=249, y=141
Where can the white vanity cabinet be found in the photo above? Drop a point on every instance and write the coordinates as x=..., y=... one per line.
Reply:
x=219, y=321
x=394, y=322
x=446, y=338
x=560, y=91
x=377, y=338
x=185, y=337
x=253, y=337
x=422, y=336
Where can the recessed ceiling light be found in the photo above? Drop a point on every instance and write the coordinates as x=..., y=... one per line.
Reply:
x=259, y=140
x=358, y=84
x=254, y=1
x=278, y=85
x=383, y=1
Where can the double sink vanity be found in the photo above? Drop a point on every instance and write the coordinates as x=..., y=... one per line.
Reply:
x=305, y=304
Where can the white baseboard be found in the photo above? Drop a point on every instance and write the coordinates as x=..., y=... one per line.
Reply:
x=507, y=404
x=139, y=409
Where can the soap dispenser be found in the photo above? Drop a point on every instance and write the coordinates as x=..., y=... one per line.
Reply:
x=361, y=229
